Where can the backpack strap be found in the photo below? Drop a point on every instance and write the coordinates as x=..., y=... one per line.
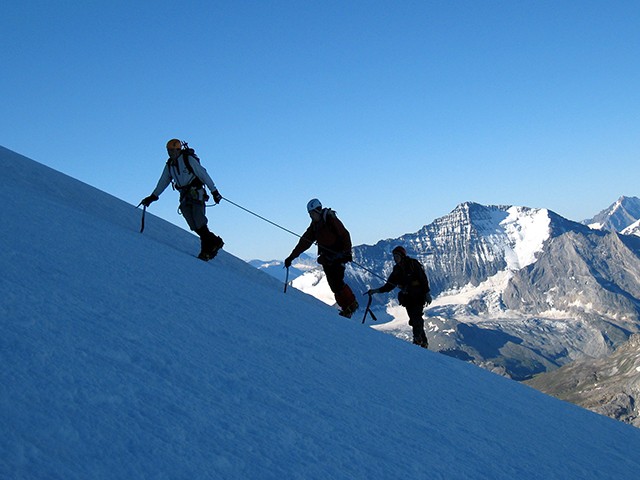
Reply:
x=185, y=153
x=420, y=276
x=328, y=217
x=185, y=157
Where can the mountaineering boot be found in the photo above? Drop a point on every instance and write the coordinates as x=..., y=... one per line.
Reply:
x=210, y=243
x=211, y=249
x=218, y=245
x=423, y=342
x=350, y=310
x=347, y=302
x=215, y=243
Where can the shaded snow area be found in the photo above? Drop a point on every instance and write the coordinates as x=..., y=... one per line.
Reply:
x=124, y=356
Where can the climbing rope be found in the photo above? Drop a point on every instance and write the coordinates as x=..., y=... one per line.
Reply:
x=299, y=236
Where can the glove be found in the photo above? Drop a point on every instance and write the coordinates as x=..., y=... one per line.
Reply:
x=287, y=262
x=216, y=196
x=373, y=290
x=428, y=299
x=149, y=200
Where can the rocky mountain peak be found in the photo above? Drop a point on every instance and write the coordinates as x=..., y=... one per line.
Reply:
x=618, y=216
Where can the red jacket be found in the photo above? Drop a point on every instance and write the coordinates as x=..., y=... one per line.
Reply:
x=332, y=237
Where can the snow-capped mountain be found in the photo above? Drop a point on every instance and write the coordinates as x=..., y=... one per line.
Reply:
x=595, y=273
x=470, y=245
x=608, y=385
x=123, y=356
x=618, y=216
x=517, y=290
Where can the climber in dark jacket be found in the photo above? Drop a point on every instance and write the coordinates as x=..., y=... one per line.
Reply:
x=409, y=276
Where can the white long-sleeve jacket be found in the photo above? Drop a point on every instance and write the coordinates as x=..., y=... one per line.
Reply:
x=182, y=177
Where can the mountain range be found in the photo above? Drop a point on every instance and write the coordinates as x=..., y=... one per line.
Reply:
x=520, y=291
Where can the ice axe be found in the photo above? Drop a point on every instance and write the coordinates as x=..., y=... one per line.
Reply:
x=368, y=309
x=286, y=280
x=144, y=210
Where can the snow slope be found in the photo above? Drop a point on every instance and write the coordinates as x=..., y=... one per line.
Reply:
x=123, y=356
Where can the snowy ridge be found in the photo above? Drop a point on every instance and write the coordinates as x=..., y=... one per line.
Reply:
x=126, y=357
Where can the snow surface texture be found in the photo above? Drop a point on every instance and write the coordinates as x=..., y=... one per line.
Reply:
x=124, y=356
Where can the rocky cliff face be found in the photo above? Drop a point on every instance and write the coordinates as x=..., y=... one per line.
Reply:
x=467, y=246
x=609, y=385
x=582, y=272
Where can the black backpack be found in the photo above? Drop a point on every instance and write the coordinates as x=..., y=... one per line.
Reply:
x=417, y=283
x=187, y=152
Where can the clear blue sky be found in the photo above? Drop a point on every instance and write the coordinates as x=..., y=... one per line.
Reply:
x=392, y=113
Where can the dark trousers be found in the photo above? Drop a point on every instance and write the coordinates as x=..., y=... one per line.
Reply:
x=414, y=310
x=335, y=276
x=208, y=240
x=341, y=291
x=193, y=209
